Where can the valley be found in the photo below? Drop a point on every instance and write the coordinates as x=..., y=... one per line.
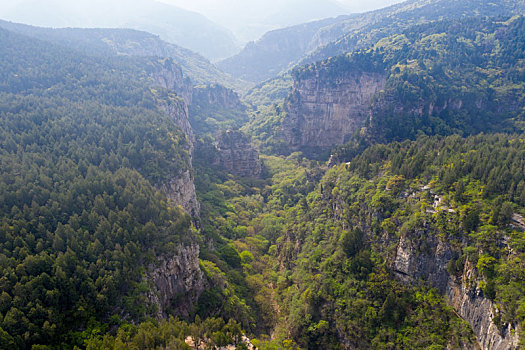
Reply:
x=351, y=183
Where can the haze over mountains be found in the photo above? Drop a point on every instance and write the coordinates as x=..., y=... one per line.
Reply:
x=215, y=29
x=368, y=193
x=279, y=50
x=185, y=28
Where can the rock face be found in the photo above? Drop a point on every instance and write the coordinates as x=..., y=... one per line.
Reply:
x=176, y=282
x=168, y=75
x=423, y=256
x=219, y=96
x=181, y=190
x=237, y=155
x=324, y=111
x=215, y=108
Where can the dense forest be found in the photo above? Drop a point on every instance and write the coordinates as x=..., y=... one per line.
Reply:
x=405, y=235
x=82, y=147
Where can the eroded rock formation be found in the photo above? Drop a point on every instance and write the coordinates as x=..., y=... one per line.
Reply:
x=423, y=256
x=326, y=111
x=176, y=282
x=237, y=155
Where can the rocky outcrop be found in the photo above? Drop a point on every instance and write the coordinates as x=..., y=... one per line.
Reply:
x=218, y=96
x=423, y=256
x=237, y=155
x=168, y=75
x=177, y=110
x=181, y=190
x=216, y=108
x=176, y=282
x=470, y=303
x=324, y=111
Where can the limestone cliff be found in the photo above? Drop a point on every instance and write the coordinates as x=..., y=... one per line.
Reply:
x=176, y=282
x=218, y=95
x=237, y=155
x=181, y=190
x=423, y=256
x=168, y=75
x=325, y=111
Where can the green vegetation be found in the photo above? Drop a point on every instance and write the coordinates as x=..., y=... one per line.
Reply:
x=314, y=251
x=215, y=108
x=450, y=77
x=444, y=78
x=82, y=145
x=307, y=256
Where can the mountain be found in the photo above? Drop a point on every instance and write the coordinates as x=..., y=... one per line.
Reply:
x=447, y=77
x=320, y=40
x=86, y=146
x=249, y=20
x=274, y=52
x=184, y=28
x=126, y=42
x=380, y=204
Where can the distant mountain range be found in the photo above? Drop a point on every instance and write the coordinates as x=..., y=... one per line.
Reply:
x=249, y=20
x=185, y=28
x=280, y=50
x=129, y=42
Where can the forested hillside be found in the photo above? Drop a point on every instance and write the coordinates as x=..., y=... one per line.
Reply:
x=82, y=147
x=127, y=42
x=378, y=204
x=281, y=50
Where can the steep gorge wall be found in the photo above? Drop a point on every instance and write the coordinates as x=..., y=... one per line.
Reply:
x=423, y=256
x=237, y=155
x=168, y=75
x=325, y=111
x=176, y=282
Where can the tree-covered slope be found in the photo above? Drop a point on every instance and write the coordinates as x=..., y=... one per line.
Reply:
x=383, y=252
x=127, y=42
x=82, y=147
x=173, y=24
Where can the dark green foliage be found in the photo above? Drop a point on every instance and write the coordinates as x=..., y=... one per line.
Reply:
x=170, y=334
x=82, y=145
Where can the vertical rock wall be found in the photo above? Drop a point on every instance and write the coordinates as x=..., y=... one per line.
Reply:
x=323, y=111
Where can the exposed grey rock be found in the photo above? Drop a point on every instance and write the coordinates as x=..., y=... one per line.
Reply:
x=423, y=256
x=181, y=190
x=237, y=155
x=177, y=110
x=176, y=282
x=168, y=75
x=324, y=111
x=219, y=96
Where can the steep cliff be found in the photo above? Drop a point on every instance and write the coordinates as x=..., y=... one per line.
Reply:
x=174, y=98
x=169, y=75
x=423, y=256
x=431, y=79
x=323, y=110
x=176, y=282
x=237, y=155
x=215, y=108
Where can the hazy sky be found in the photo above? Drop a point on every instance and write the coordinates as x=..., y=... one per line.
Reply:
x=209, y=6
x=247, y=19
